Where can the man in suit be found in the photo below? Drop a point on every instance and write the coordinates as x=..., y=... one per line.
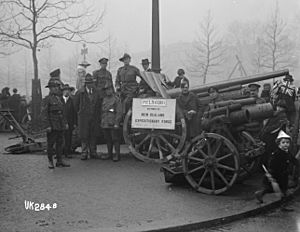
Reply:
x=87, y=104
x=70, y=116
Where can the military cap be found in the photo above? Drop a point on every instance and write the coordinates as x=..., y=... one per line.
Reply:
x=15, y=90
x=89, y=78
x=53, y=83
x=55, y=73
x=288, y=77
x=124, y=57
x=103, y=60
x=66, y=87
x=253, y=86
x=180, y=71
x=72, y=88
x=145, y=61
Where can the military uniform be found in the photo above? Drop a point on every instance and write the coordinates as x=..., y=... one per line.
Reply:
x=127, y=84
x=102, y=76
x=55, y=122
x=110, y=121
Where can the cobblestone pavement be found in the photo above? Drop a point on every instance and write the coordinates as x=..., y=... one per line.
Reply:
x=102, y=194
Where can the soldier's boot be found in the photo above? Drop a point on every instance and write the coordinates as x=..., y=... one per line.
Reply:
x=50, y=164
x=109, y=152
x=61, y=163
x=116, y=155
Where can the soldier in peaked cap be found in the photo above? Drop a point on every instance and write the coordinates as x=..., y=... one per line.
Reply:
x=54, y=122
x=110, y=122
x=102, y=76
x=126, y=82
x=87, y=102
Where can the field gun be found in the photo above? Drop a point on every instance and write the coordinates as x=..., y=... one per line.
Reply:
x=199, y=89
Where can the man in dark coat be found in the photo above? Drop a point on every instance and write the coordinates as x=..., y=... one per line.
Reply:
x=14, y=104
x=70, y=115
x=188, y=102
x=55, y=123
x=87, y=104
x=110, y=121
x=126, y=82
x=102, y=76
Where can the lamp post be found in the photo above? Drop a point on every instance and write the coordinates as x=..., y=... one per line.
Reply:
x=155, y=37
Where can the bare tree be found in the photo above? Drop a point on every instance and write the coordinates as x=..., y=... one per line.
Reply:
x=278, y=47
x=32, y=24
x=258, y=55
x=209, y=50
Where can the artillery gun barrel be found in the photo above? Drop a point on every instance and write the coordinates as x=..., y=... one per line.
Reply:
x=221, y=91
x=245, y=101
x=260, y=111
x=223, y=110
x=224, y=84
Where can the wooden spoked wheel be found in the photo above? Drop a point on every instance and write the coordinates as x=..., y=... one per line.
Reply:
x=249, y=161
x=153, y=145
x=211, y=163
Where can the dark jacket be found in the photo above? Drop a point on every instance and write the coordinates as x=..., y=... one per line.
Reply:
x=102, y=77
x=88, y=111
x=111, y=112
x=186, y=103
x=52, y=113
x=278, y=167
x=69, y=112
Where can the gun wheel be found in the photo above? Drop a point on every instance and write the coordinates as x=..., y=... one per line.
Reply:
x=211, y=163
x=153, y=145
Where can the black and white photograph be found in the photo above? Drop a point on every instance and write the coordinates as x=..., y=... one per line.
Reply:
x=149, y=115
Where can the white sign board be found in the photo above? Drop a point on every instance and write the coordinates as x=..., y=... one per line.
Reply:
x=153, y=113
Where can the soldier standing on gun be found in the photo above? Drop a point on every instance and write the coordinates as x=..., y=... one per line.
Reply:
x=54, y=122
x=102, y=76
x=126, y=82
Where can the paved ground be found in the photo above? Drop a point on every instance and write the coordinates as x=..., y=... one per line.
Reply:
x=105, y=195
x=278, y=220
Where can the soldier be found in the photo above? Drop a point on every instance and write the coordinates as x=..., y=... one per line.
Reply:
x=126, y=82
x=188, y=102
x=54, y=122
x=102, y=76
x=144, y=89
x=254, y=89
x=177, y=81
x=110, y=122
x=87, y=103
x=70, y=116
x=266, y=92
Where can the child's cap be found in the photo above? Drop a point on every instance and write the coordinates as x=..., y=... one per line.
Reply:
x=282, y=135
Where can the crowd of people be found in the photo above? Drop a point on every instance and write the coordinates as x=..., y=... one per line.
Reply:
x=99, y=106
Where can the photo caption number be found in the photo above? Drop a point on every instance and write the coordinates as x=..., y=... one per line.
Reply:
x=30, y=205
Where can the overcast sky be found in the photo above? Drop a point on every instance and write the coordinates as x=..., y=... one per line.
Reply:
x=129, y=21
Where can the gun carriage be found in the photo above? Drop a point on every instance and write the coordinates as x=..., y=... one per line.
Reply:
x=222, y=152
